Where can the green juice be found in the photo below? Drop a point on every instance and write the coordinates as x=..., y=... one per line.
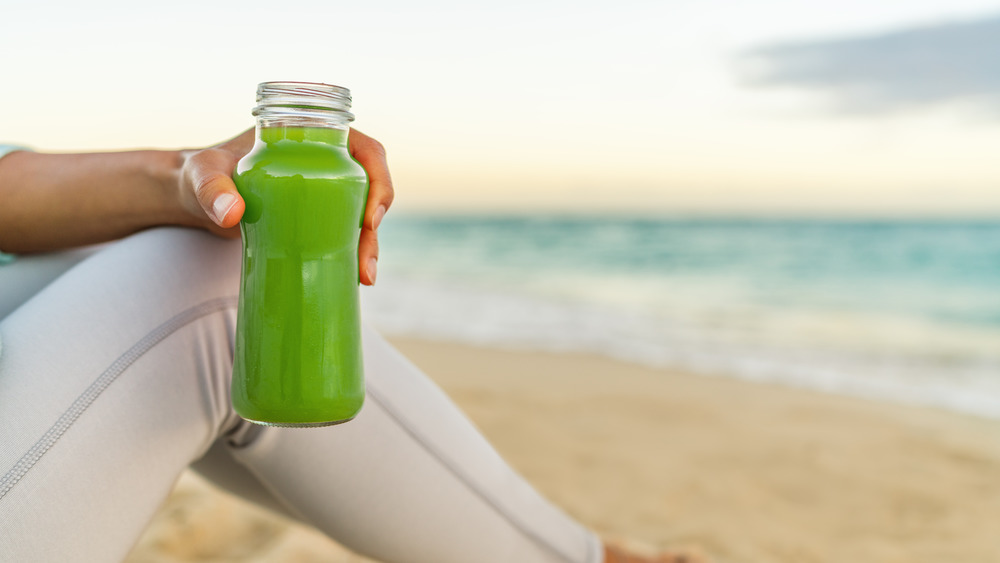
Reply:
x=298, y=336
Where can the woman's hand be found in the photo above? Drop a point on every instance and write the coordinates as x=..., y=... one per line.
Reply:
x=371, y=155
x=206, y=189
x=208, y=194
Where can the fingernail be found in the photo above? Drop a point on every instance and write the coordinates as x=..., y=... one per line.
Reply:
x=222, y=205
x=372, y=270
x=377, y=219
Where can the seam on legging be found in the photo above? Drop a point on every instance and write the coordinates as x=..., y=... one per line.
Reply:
x=466, y=480
x=87, y=398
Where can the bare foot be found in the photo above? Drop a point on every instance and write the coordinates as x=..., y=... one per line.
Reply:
x=616, y=554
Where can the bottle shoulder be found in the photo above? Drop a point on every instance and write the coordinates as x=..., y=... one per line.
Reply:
x=300, y=159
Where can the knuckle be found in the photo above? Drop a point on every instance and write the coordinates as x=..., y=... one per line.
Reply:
x=207, y=171
x=368, y=149
x=383, y=197
x=384, y=191
x=377, y=147
x=369, y=242
x=209, y=184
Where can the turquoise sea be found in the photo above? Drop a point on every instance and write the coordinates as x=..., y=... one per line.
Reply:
x=903, y=310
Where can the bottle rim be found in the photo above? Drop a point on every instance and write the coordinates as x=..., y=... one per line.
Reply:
x=291, y=99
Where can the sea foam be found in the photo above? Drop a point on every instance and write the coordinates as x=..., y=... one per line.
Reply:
x=907, y=312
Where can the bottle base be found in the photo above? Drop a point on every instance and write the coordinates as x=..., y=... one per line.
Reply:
x=298, y=424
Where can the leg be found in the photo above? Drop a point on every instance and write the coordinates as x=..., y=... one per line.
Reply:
x=116, y=376
x=411, y=480
x=29, y=274
x=112, y=380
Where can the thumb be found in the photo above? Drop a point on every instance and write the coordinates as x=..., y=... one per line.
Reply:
x=220, y=200
x=209, y=175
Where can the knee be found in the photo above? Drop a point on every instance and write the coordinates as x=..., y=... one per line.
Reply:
x=173, y=260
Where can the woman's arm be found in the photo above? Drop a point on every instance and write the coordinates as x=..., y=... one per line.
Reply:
x=54, y=201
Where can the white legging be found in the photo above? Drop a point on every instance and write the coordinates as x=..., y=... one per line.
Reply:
x=114, y=377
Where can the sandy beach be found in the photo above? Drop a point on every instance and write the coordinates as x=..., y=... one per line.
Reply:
x=745, y=472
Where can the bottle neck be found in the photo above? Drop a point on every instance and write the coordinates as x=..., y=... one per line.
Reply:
x=303, y=111
x=269, y=134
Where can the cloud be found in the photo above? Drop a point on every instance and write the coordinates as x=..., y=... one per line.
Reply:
x=912, y=67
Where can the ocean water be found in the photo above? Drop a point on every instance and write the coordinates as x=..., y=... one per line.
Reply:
x=901, y=310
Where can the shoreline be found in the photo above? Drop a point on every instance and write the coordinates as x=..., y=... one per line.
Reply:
x=744, y=471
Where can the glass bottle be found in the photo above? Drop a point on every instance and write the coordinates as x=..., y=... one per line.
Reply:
x=298, y=338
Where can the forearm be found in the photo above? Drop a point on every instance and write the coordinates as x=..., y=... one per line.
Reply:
x=52, y=201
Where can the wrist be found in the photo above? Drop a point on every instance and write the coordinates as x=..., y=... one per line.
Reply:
x=163, y=171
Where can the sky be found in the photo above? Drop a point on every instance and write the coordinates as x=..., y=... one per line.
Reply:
x=677, y=107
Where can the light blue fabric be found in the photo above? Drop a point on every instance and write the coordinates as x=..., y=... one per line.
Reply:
x=4, y=151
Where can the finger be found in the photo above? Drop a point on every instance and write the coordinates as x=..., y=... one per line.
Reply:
x=214, y=188
x=218, y=197
x=240, y=144
x=368, y=256
x=371, y=155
